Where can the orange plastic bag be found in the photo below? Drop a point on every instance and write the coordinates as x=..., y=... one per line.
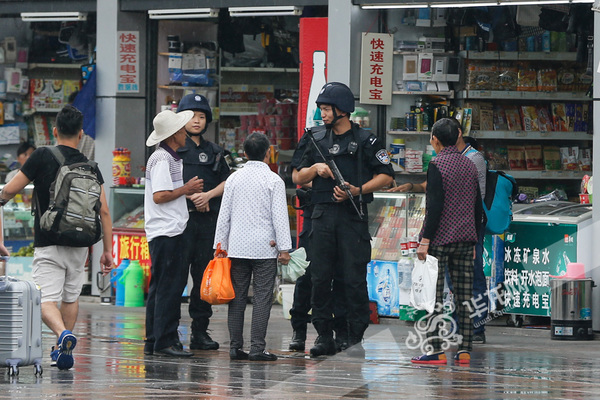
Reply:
x=216, y=282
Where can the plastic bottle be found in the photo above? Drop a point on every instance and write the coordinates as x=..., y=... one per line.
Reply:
x=121, y=164
x=546, y=41
x=405, y=267
x=115, y=279
x=316, y=84
x=133, y=280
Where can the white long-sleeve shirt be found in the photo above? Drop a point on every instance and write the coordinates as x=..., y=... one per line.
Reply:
x=253, y=212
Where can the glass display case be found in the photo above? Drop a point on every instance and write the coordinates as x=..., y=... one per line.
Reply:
x=127, y=209
x=393, y=216
x=17, y=222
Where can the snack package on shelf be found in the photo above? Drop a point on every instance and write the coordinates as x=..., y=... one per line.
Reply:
x=516, y=158
x=500, y=119
x=578, y=125
x=513, y=119
x=497, y=158
x=569, y=158
x=467, y=121
x=527, y=81
x=552, y=158
x=508, y=77
x=544, y=120
x=482, y=76
x=534, y=158
x=559, y=117
x=547, y=80
x=566, y=79
x=529, y=118
x=585, y=159
x=486, y=119
x=475, y=114
x=570, y=114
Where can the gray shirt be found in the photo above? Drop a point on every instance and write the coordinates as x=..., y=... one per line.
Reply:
x=480, y=164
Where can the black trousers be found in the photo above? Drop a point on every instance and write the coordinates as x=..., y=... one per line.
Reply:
x=198, y=246
x=169, y=276
x=340, y=247
x=303, y=290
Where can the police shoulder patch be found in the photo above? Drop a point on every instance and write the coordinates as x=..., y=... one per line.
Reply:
x=383, y=157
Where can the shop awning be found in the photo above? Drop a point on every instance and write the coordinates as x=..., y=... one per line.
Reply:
x=144, y=5
x=19, y=6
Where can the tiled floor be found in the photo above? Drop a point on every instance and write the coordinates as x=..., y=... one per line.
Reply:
x=516, y=363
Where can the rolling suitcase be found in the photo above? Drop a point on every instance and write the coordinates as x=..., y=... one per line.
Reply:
x=20, y=324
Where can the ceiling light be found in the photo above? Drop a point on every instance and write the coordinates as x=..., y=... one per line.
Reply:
x=264, y=11
x=183, y=13
x=53, y=16
x=464, y=4
x=388, y=6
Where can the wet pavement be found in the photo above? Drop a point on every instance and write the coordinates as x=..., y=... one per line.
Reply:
x=515, y=363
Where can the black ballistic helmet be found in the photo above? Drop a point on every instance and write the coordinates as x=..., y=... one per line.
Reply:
x=337, y=94
x=196, y=102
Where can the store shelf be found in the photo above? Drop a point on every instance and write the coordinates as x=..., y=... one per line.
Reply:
x=237, y=113
x=54, y=66
x=429, y=51
x=179, y=87
x=518, y=56
x=409, y=133
x=530, y=135
x=516, y=95
x=259, y=69
x=576, y=175
x=128, y=190
x=449, y=94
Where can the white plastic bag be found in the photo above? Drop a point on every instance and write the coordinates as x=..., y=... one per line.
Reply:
x=296, y=267
x=424, y=281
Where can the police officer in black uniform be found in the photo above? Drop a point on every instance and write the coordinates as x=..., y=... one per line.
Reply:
x=340, y=238
x=207, y=161
x=301, y=306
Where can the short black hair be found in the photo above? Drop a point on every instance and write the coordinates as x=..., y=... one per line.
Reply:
x=471, y=141
x=256, y=146
x=445, y=131
x=23, y=147
x=69, y=121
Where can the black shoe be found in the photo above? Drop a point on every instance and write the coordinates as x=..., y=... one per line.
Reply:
x=173, y=351
x=149, y=348
x=324, y=346
x=298, y=339
x=341, y=343
x=202, y=341
x=237, y=354
x=479, y=338
x=356, y=350
x=262, y=356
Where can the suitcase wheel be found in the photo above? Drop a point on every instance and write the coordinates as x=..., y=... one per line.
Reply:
x=38, y=370
x=13, y=370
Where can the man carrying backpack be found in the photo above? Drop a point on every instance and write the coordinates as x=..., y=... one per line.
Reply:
x=59, y=258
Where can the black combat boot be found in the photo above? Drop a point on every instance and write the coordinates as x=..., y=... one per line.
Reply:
x=324, y=345
x=355, y=337
x=298, y=339
x=341, y=336
x=202, y=341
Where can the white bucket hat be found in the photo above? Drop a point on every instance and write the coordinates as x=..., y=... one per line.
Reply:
x=167, y=123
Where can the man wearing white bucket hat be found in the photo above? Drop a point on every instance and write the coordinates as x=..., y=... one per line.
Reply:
x=166, y=215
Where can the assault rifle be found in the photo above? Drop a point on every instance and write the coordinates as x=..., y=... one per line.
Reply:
x=337, y=175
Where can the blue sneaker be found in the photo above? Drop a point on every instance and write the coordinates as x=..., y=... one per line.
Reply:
x=66, y=343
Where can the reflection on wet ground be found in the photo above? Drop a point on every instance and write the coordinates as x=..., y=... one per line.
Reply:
x=516, y=363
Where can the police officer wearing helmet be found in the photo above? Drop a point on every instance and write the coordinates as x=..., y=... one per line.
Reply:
x=207, y=161
x=340, y=238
